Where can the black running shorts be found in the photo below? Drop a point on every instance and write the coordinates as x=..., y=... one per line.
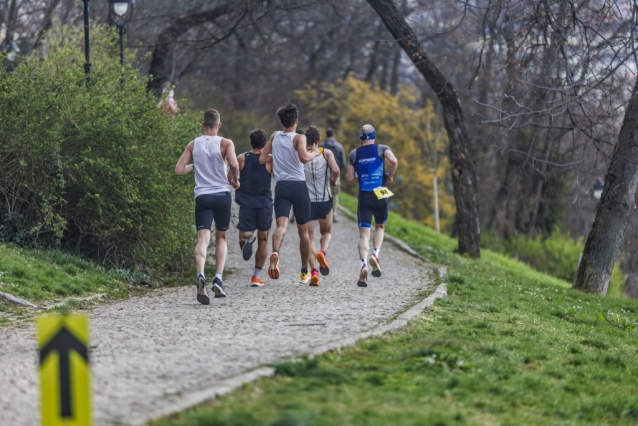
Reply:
x=369, y=206
x=320, y=210
x=209, y=207
x=295, y=194
x=251, y=219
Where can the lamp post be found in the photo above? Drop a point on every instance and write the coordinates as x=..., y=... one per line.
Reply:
x=87, y=46
x=598, y=188
x=121, y=12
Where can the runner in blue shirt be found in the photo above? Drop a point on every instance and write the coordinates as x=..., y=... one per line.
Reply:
x=367, y=163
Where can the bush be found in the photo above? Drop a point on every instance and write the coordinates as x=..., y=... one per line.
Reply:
x=556, y=255
x=92, y=167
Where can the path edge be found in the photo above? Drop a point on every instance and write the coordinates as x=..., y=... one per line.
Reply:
x=231, y=384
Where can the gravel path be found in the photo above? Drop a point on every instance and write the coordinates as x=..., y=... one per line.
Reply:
x=147, y=351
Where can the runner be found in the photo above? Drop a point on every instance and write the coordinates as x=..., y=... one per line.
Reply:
x=254, y=198
x=212, y=196
x=340, y=157
x=317, y=177
x=367, y=162
x=289, y=154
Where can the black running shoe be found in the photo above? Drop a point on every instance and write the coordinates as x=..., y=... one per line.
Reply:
x=247, y=251
x=376, y=265
x=218, y=288
x=363, y=277
x=202, y=291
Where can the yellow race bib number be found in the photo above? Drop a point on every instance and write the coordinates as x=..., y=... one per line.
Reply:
x=382, y=192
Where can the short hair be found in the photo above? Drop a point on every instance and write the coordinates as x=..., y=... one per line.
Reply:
x=258, y=138
x=288, y=115
x=312, y=135
x=330, y=132
x=211, y=118
x=300, y=132
x=367, y=128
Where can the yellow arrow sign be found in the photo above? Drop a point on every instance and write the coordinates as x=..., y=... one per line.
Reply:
x=64, y=370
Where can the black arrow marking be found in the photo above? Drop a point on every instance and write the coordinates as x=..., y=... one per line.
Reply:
x=63, y=343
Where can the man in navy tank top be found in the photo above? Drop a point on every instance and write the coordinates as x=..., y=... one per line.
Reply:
x=367, y=163
x=209, y=154
x=289, y=154
x=254, y=198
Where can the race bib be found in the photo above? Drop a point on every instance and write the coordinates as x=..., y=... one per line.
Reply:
x=382, y=192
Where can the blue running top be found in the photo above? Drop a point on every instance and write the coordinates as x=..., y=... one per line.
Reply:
x=368, y=163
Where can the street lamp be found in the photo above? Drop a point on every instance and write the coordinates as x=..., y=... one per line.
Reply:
x=598, y=188
x=121, y=12
x=87, y=45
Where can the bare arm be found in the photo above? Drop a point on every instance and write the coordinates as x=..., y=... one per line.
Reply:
x=264, y=157
x=394, y=163
x=269, y=167
x=350, y=173
x=241, y=160
x=300, y=146
x=233, y=164
x=182, y=167
x=334, y=167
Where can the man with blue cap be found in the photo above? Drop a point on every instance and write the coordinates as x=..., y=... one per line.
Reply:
x=367, y=163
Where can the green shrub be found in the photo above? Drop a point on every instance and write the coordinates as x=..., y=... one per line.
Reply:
x=92, y=167
x=556, y=255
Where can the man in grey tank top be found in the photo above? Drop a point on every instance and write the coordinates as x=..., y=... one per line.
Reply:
x=288, y=150
x=321, y=174
x=209, y=154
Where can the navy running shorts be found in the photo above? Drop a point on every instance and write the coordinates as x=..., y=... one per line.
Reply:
x=251, y=219
x=370, y=206
x=292, y=194
x=320, y=209
x=209, y=207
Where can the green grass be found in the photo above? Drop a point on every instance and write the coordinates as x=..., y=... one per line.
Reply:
x=508, y=346
x=43, y=275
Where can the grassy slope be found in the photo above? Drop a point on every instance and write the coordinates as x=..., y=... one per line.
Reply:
x=508, y=346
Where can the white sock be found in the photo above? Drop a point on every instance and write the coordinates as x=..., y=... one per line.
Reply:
x=218, y=275
x=364, y=262
x=257, y=272
x=375, y=252
x=202, y=274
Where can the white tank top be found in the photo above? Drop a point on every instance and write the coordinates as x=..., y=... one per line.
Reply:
x=286, y=163
x=318, y=179
x=210, y=167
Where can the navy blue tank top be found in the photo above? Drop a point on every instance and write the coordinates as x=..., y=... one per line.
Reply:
x=254, y=191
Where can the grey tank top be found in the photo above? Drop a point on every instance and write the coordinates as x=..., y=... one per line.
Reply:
x=318, y=179
x=210, y=168
x=286, y=163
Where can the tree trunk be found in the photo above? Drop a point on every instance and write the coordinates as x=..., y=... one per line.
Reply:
x=615, y=205
x=461, y=157
x=161, y=59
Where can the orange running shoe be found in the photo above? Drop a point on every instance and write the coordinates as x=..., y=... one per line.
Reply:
x=323, y=262
x=314, y=279
x=256, y=282
x=273, y=269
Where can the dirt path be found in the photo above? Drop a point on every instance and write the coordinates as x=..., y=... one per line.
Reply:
x=148, y=352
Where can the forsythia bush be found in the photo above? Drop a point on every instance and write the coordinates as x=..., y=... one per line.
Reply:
x=92, y=167
x=414, y=133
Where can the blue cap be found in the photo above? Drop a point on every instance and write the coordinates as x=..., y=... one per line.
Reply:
x=367, y=136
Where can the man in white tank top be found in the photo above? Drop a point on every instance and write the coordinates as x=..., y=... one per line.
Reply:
x=321, y=173
x=209, y=154
x=288, y=150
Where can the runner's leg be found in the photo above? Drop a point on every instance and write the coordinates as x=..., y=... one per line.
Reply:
x=262, y=249
x=304, y=244
x=203, y=239
x=312, y=225
x=220, y=251
x=278, y=235
x=379, y=232
x=325, y=227
x=364, y=243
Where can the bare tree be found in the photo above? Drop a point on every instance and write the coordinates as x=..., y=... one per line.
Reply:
x=460, y=150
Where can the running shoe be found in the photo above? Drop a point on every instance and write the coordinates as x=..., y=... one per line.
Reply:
x=256, y=282
x=376, y=265
x=202, y=291
x=218, y=288
x=363, y=277
x=314, y=278
x=273, y=269
x=247, y=250
x=304, y=277
x=323, y=262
